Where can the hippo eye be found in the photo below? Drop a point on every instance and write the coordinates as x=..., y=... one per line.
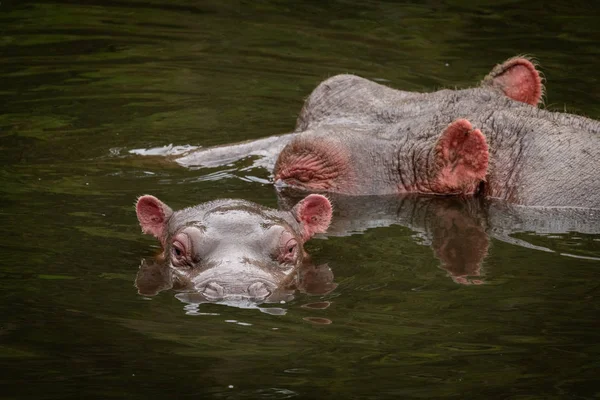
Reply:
x=292, y=248
x=289, y=251
x=178, y=251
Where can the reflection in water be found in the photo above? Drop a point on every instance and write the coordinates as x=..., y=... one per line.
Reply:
x=80, y=78
x=194, y=300
x=320, y=305
x=459, y=240
x=318, y=320
x=458, y=229
x=157, y=275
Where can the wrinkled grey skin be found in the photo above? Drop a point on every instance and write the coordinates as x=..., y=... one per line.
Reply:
x=232, y=251
x=536, y=157
x=459, y=229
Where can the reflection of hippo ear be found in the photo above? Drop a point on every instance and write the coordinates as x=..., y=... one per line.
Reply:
x=461, y=159
x=153, y=278
x=314, y=215
x=316, y=280
x=518, y=79
x=288, y=197
x=153, y=215
x=459, y=241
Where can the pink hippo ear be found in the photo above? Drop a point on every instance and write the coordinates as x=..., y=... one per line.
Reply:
x=460, y=159
x=314, y=215
x=153, y=215
x=518, y=79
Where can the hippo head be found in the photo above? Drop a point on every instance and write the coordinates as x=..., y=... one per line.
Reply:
x=234, y=250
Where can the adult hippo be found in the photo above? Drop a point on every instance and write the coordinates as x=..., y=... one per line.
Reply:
x=358, y=137
x=233, y=250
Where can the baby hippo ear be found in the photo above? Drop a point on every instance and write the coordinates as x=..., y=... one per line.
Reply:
x=153, y=215
x=518, y=79
x=314, y=215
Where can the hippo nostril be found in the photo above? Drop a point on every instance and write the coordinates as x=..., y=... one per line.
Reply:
x=213, y=291
x=258, y=291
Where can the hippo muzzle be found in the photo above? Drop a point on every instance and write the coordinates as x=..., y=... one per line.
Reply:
x=238, y=282
x=217, y=291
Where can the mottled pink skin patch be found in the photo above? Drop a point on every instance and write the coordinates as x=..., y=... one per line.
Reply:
x=314, y=214
x=519, y=80
x=153, y=215
x=314, y=164
x=461, y=159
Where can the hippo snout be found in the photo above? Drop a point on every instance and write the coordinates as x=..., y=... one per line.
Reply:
x=258, y=290
x=213, y=291
x=218, y=291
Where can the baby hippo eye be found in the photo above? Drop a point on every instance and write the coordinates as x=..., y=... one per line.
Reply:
x=180, y=248
x=177, y=252
x=290, y=251
x=291, y=247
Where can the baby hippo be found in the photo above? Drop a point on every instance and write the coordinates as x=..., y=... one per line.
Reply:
x=234, y=249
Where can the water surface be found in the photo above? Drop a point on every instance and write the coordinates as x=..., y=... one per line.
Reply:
x=84, y=82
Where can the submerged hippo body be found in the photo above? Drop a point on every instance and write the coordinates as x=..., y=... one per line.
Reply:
x=229, y=250
x=358, y=137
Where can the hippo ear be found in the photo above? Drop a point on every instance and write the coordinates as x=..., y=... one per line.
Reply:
x=518, y=79
x=460, y=159
x=314, y=215
x=153, y=215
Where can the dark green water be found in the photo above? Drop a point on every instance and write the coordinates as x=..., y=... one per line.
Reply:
x=84, y=82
